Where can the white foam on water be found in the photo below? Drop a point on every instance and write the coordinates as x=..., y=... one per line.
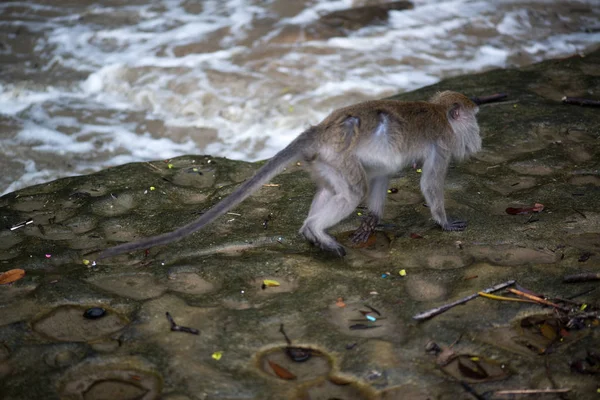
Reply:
x=206, y=70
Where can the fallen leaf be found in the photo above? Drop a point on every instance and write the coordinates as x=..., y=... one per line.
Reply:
x=369, y=242
x=11, y=276
x=270, y=283
x=280, y=371
x=471, y=369
x=548, y=331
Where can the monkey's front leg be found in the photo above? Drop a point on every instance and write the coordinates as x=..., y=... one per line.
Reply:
x=376, y=201
x=432, y=186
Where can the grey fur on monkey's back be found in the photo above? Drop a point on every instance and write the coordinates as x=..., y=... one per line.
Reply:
x=351, y=154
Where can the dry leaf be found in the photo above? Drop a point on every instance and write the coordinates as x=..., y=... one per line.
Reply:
x=11, y=276
x=270, y=283
x=280, y=371
x=548, y=331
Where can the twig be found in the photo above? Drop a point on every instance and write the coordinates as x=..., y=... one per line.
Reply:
x=179, y=328
x=21, y=224
x=529, y=391
x=581, y=293
x=539, y=300
x=580, y=101
x=489, y=99
x=504, y=298
x=438, y=310
x=582, y=277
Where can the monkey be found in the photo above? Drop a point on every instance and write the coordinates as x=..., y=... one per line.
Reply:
x=352, y=153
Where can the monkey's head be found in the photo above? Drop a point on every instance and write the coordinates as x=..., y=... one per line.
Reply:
x=461, y=111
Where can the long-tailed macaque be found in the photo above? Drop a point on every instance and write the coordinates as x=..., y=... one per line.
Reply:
x=352, y=154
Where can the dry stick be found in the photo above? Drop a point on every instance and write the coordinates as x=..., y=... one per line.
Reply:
x=179, y=328
x=583, y=277
x=580, y=101
x=489, y=99
x=539, y=300
x=438, y=310
x=530, y=391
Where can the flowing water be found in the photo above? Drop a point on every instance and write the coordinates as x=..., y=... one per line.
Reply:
x=87, y=85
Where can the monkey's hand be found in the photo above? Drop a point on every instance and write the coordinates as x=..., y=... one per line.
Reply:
x=366, y=228
x=457, y=225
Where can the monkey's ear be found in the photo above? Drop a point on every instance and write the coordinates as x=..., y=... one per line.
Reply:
x=454, y=112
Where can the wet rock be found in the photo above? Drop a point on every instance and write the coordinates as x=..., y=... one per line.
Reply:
x=189, y=283
x=66, y=323
x=113, y=205
x=506, y=186
x=340, y=23
x=105, y=345
x=446, y=261
x=585, y=180
x=334, y=389
x=423, y=289
x=532, y=168
x=355, y=18
x=507, y=255
x=194, y=176
x=62, y=357
x=138, y=286
x=4, y=352
x=585, y=241
x=404, y=197
x=128, y=378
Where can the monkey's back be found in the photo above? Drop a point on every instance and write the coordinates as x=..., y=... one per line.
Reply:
x=383, y=126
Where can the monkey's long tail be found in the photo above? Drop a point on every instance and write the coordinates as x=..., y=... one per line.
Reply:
x=272, y=168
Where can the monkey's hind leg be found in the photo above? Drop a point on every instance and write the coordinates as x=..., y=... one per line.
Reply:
x=342, y=190
x=432, y=186
x=375, y=202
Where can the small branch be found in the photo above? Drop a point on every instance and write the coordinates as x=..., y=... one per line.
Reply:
x=580, y=101
x=489, y=99
x=529, y=391
x=179, y=328
x=504, y=298
x=438, y=310
x=583, y=277
x=538, y=300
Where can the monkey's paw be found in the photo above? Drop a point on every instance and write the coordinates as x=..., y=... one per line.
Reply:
x=338, y=250
x=458, y=225
x=364, y=231
x=335, y=248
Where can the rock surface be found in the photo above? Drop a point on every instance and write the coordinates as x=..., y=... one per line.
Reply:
x=536, y=150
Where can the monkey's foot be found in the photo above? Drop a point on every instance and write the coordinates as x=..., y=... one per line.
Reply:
x=366, y=228
x=338, y=249
x=458, y=225
x=332, y=247
x=324, y=242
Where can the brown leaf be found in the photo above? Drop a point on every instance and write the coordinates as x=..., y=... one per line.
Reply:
x=471, y=369
x=11, y=276
x=280, y=371
x=548, y=331
x=369, y=242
